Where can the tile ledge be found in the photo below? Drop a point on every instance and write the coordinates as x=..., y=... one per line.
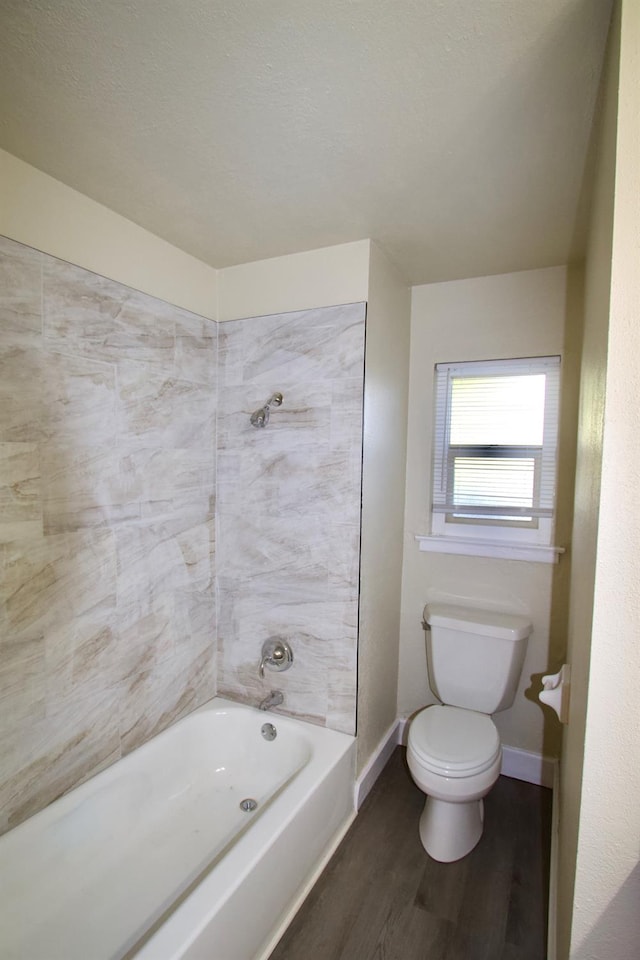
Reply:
x=490, y=548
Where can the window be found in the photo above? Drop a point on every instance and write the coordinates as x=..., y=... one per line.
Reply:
x=494, y=471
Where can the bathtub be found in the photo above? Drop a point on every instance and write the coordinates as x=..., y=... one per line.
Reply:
x=155, y=859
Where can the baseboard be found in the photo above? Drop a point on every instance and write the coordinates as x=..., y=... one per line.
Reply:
x=552, y=930
x=403, y=730
x=377, y=763
x=531, y=767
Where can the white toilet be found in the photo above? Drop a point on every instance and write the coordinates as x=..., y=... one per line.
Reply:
x=474, y=659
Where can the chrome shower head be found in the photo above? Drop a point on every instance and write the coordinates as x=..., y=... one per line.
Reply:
x=260, y=418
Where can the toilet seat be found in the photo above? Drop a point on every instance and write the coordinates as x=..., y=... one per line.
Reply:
x=452, y=742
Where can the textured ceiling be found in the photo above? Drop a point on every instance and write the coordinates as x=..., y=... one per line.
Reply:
x=454, y=132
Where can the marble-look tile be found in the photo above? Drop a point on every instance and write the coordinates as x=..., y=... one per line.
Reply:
x=83, y=658
x=303, y=695
x=276, y=483
x=323, y=637
x=196, y=611
x=43, y=760
x=303, y=420
x=323, y=344
x=342, y=691
x=163, y=411
x=22, y=682
x=151, y=474
x=196, y=546
x=347, y=399
x=155, y=562
x=344, y=563
x=196, y=349
x=65, y=516
x=147, y=640
x=45, y=583
x=90, y=316
x=107, y=534
x=179, y=512
x=250, y=619
x=20, y=497
x=148, y=565
x=288, y=500
x=48, y=396
x=79, y=400
x=20, y=293
x=230, y=354
x=273, y=557
x=83, y=487
x=108, y=438
x=170, y=691
x=89, y=486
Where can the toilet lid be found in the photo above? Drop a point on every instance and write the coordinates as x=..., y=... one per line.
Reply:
x=454, y=742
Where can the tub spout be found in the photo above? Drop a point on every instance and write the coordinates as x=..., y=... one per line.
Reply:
x=274, y=699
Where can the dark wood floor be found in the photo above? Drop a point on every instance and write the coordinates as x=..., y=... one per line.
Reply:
x=382, y=898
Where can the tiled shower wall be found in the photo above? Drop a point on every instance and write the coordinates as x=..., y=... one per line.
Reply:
x=288, y=507
x=107, y=467
x=107, y=482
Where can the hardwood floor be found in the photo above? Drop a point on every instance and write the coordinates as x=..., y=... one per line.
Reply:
x=382, y=898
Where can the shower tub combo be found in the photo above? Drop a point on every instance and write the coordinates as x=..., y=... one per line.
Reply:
x=199, y=845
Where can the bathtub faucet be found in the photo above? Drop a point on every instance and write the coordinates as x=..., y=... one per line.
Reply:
x=274, y=699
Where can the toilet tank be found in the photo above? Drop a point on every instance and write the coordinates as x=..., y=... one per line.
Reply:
x=474, y=657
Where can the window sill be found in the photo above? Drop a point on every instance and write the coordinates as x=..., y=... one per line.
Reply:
x=490, y=548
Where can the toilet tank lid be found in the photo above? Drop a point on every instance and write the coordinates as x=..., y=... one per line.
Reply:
x=486, y=623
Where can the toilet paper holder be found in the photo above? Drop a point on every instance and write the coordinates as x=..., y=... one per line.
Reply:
x=555, y=692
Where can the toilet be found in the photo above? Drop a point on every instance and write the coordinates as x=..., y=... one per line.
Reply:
x=474, y=661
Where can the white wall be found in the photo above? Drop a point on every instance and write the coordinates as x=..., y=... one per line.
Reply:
x=300, y=281
x=606, y=919
x=383, y=492
x=512, y=315
x=43, y=213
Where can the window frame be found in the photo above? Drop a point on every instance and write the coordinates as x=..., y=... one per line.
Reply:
x=540, y=530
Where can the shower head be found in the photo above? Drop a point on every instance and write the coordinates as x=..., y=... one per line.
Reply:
x=260, y=418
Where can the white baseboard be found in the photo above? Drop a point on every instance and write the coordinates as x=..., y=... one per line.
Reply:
x=531, y=767
x=377, y=763
x=403, y=730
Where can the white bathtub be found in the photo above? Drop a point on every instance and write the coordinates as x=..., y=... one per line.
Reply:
x=154, y=859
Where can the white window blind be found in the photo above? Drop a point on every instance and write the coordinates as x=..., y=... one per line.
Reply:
x=495, y=442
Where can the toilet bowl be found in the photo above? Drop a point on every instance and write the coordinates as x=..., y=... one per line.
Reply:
x=454, y=756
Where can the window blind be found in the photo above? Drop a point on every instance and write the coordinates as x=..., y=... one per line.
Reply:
x=495, y=443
